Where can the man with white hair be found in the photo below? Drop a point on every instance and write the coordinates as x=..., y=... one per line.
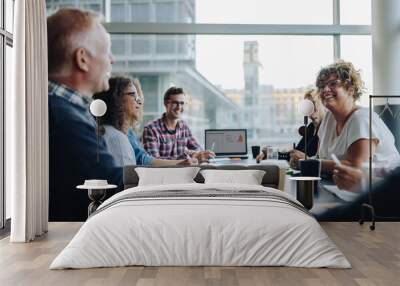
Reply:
x=79, y=62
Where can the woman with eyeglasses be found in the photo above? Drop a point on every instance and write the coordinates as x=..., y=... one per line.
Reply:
x=142, y=158
x=124, y=102
x=312, y=129
x=344, y=131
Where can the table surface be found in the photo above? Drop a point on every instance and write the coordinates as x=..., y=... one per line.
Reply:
x=283, y=164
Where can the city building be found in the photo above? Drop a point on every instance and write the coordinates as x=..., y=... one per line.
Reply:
x=160, y=61
x=270, y=115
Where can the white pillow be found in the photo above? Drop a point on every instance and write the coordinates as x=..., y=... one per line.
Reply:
x=166, y=176
x=248, y=177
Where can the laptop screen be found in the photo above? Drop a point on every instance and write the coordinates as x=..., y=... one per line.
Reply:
x=226, y=141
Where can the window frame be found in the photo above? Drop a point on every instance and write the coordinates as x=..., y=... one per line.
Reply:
x=336, y=29
x=6, y=39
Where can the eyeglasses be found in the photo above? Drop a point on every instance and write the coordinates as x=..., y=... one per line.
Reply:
x=332, y=84
x=175, y=103
x=135, y=96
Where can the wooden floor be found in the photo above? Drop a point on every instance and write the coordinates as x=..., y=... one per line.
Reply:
x=374, y=255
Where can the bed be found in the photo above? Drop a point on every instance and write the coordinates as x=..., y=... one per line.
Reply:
x=197, y=224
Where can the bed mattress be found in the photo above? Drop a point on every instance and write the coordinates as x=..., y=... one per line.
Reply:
x=201, y=225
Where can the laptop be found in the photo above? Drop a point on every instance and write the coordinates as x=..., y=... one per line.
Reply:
x=227, y=143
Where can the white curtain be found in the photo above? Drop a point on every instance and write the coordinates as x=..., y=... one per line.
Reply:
x=27, y=124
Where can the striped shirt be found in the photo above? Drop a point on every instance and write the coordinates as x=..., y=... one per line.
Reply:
x=162, y=143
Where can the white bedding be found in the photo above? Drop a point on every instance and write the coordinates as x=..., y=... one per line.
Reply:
x=200, y=231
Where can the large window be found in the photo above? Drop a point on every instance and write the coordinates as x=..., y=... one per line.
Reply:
x=9, y=15
x=264, y=11
x=6, y=42
x=243, y=63
x=355, y=12
x=358, y=50
x=252, y=82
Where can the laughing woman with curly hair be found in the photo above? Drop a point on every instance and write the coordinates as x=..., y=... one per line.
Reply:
x=122, y=100
x=344, y=130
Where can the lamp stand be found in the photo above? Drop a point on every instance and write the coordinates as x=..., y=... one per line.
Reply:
x=305, y=136
x=369, y=204
x=97, y=139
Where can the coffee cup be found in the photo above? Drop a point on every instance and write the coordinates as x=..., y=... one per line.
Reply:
x=255, y=150
x=310, y=168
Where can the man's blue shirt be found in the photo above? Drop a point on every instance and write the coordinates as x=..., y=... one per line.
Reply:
x=73, y=153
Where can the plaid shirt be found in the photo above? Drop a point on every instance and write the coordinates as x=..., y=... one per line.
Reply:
x=57, y=89
x=164, y=144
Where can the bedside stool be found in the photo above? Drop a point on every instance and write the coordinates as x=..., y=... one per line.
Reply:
x=96, y=195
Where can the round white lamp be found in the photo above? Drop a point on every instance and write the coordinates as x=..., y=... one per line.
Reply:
x=98, y=108
x=306, y=108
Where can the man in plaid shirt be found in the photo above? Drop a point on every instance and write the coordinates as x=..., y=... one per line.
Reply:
x=170, y=138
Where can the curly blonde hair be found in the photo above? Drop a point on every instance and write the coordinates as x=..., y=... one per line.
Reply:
x=138, y=86
x=313, y=95
x=346, y=73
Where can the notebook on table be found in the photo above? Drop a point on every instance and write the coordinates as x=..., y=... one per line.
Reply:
x=226, y=143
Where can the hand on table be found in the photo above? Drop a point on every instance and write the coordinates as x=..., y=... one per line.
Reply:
x=260, y=157
x=203, y=156
x=188, y=162
x=346, y=177
x=295, y=156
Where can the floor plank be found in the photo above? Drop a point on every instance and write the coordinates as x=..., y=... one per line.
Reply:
x=374, y=255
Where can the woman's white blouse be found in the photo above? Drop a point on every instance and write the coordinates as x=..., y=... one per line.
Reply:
x=356, y=127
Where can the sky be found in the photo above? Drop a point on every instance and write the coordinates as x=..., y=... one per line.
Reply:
x=354, y=12
x=287, y=61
